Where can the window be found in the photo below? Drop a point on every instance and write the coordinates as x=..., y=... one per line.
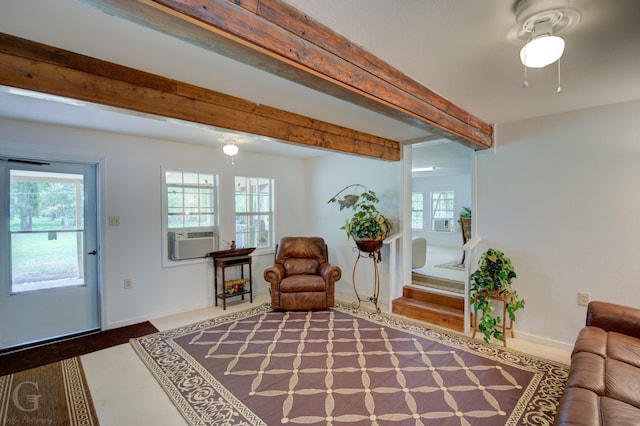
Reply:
x=254, y=212
x=442, y=211
x=191, y=199
x=190, y=203
x=417, y=210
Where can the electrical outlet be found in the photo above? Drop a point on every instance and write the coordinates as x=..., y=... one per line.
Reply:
x=128, y=283
x=114, y=220
x=584, y=298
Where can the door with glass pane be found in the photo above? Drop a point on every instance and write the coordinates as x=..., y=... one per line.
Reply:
x=48, y=251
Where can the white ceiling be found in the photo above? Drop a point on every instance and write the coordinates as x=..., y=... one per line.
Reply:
x=457, y=48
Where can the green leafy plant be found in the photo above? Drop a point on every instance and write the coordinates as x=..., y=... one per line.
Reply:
x=493, y=278
x=367, y=222
x=465, y=213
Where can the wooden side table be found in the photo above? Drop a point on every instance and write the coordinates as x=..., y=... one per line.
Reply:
x=235, y=287
x=505, y=329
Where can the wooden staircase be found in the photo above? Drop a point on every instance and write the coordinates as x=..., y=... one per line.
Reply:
x=424, y=305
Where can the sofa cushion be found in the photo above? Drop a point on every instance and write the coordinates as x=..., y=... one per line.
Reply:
x=618, y=413
x=301, y=266
x=579, y=407
x=624, y=348
x=591, y=339
x=622, y=382
x=302, y=283
x=588, y=372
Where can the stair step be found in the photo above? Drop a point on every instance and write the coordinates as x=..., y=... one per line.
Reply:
x=429, y=281
x=443, y=316
x=424, y=295
x=438, y=309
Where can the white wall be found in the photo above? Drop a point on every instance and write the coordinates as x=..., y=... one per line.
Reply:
x=461, y=184
x=328, y=175
x=558, y=195
x=131, y=188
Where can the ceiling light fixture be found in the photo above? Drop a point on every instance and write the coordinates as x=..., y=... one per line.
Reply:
x=423, y=169
x=544, y=48
x=540, y=22
x=230, y=149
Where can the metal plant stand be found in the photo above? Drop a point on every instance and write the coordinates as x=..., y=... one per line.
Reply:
x=377, y=258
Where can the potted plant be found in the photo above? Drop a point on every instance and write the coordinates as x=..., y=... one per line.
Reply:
x=368, y=227
x=493, y=279
x=465, y=213
x=465, y=228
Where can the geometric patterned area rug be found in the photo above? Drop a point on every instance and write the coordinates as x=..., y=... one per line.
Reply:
x=53, y=394
x=345, y=367
x=455, y=265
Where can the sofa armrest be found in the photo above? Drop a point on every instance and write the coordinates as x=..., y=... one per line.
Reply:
x=274, y=274
x=330, y=273
x=612, y=317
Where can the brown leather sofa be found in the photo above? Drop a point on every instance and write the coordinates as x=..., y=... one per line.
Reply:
x=603, y=387
x=302, y=277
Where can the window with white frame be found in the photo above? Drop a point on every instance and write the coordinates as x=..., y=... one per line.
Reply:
x=254, y=204
x=191, y=199
x=190, y=209
x=442, y=211
x=417, y=210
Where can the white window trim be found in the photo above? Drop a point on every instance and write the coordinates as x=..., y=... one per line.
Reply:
x=271, y=248
x=412, y=211
x=431, y=211
x=164, y=242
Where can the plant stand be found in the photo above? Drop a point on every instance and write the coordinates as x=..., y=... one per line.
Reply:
x=376, y=257
x=504, y=300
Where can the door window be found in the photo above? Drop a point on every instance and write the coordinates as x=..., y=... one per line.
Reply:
x=46, y=230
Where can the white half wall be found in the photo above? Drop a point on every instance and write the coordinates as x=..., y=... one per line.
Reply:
x=558, y=196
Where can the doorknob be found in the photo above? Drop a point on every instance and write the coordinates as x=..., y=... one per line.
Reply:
x=93, y=252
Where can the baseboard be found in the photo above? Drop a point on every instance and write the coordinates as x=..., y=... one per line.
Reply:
x=149, y=317
x=534, y=338
x=166, y=313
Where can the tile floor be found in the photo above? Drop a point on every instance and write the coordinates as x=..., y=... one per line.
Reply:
x=125, y=392
x=437, y=255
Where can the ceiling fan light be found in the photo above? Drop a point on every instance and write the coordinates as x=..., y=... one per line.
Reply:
x=230, y=149
x=542, y=51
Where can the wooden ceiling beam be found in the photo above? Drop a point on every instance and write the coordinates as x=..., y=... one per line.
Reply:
x=33, y=66
x=275, y=37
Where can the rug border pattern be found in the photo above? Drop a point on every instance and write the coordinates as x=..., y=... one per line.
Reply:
x=80, y=410
x=227, y=406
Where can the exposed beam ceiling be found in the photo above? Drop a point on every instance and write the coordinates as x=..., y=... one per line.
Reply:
x=33, y=66
x=273, y=36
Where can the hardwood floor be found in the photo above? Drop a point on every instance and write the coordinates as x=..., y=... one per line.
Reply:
x=12, y=362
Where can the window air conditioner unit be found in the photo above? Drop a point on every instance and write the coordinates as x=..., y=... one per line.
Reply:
x=190, y=244
x=443, y=225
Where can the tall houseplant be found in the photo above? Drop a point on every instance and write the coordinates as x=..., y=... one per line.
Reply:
x=493, y=279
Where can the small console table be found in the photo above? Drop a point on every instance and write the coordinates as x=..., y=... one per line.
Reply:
x=235, y=287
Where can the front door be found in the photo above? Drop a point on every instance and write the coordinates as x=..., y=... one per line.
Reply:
x=48, y=250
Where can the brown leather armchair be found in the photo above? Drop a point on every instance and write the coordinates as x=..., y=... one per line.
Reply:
x=302, y=278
